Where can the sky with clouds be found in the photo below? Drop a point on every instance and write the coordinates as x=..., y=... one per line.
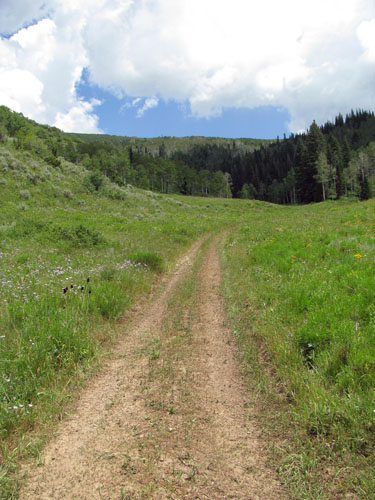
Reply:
x=187, y=67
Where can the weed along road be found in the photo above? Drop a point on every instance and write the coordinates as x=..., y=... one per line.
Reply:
x=166, y=417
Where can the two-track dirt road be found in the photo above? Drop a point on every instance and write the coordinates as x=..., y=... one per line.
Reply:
x=167, y=416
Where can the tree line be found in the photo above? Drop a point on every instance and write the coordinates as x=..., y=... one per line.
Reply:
x=327, y=162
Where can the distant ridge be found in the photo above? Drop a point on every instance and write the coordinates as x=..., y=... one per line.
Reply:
x=172, y=144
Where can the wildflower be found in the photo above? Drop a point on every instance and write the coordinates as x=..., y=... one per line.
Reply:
x=293, y=257
x=358, y=256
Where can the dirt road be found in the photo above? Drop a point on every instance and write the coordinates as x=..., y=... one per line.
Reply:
x=167, y=416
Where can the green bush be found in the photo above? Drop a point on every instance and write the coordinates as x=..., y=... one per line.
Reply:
x=79, y=236
x=93, y=181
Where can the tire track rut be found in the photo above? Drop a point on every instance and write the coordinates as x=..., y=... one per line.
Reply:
x=166, y=417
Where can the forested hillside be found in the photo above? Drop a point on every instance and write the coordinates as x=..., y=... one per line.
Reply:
x=337, y=159
x=168, y=145
x=327, y=162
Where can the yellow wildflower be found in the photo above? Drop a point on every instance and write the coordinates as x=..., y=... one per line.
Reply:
x=358, y=256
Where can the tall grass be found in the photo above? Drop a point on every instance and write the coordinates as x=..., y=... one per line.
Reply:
x=301, y=281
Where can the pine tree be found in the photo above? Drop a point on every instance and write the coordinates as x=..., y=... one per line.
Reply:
x=315, y=145
x=365, y=193
x=345, y=153
x=300, y=164
x=323, y=173
x=334, y=157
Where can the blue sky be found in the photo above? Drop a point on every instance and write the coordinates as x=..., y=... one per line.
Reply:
x=187, y=67
x=170, y=118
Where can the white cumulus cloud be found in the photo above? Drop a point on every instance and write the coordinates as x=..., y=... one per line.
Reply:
x=315, y=59
x=79, y=118
x=149, y=103
x=14, y=14
x=40, y=66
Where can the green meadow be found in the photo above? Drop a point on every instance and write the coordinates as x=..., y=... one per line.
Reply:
x=301, y=296
x=299, y=287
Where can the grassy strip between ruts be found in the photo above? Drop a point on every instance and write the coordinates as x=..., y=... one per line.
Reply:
x=300, y=289
x=70, y=263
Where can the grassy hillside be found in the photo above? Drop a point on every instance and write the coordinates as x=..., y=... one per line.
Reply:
x=300, y=295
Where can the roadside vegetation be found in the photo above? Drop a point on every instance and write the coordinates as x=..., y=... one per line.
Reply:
x=72, y=260
x=301, y=292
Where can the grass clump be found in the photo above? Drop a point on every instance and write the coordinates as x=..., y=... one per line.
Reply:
x=151, y=260
x=109, y=300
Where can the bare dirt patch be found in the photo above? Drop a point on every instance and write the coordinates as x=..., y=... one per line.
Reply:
x=167, y=417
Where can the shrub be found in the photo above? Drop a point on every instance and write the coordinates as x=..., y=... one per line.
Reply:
x=113, y=191
x=33, y=178
x=79, y=236
x=46, y=175
x=53, y=161
x=68, y=194
x=26, y=228
x=24, y=194
x=93, y=181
